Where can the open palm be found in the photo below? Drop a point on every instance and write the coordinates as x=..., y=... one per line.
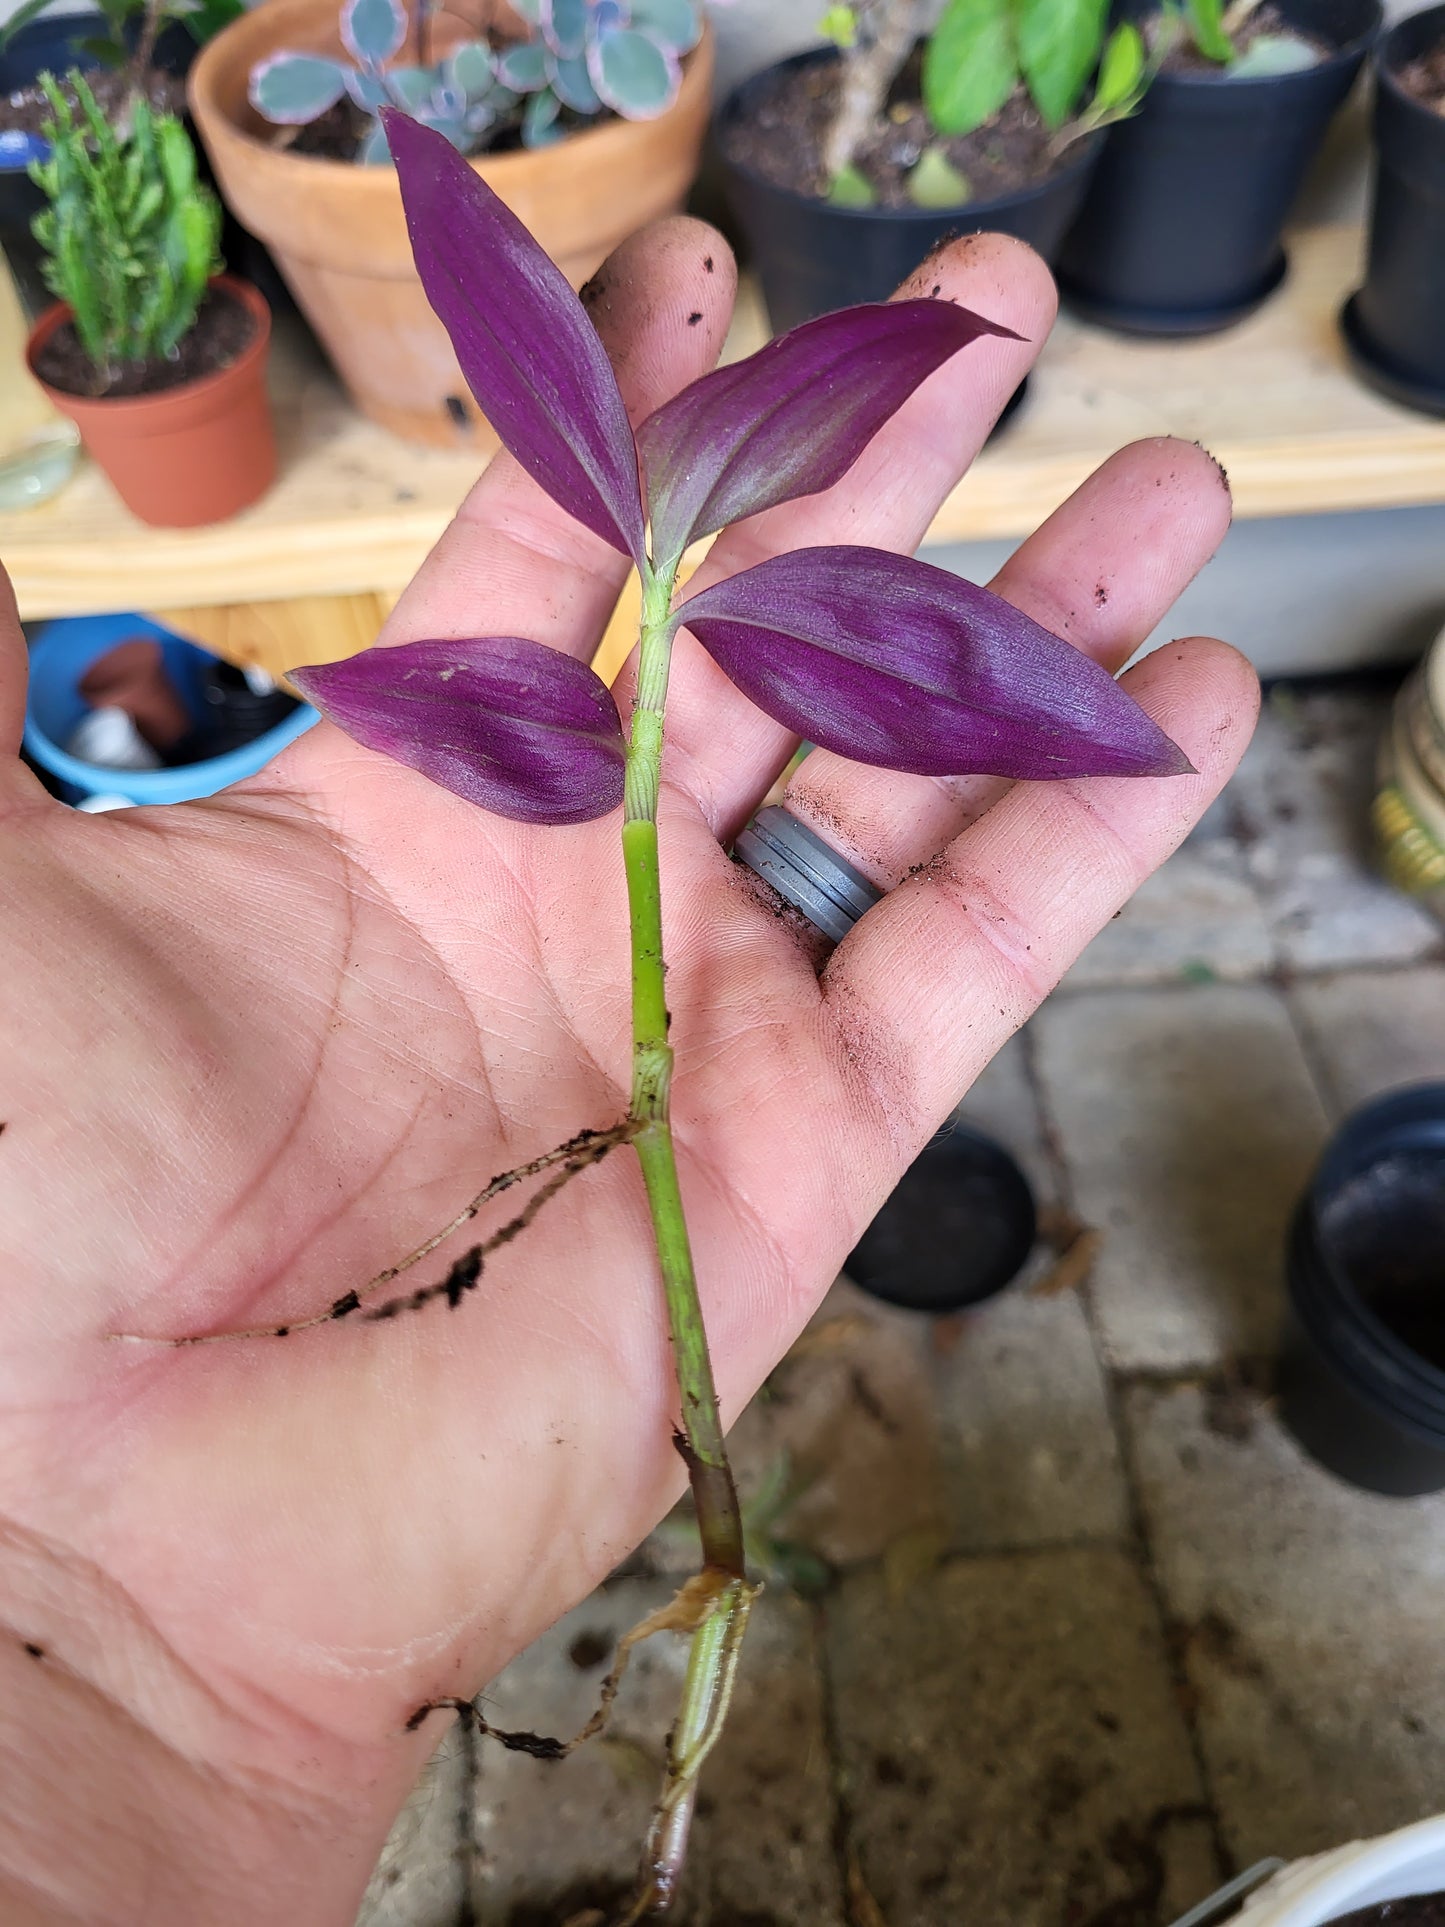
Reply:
x=255, y=1049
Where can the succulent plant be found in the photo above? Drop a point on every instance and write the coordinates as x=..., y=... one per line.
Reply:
x=460, y=97
x=129, y=233
x=583, y=56
x=591, y=54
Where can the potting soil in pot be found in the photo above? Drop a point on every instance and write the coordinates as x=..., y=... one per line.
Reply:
x=1425, y=78
x=1386, y=1230
x=223, y=330
x=783, y=134
x=1420, y=1910
x=26, y=110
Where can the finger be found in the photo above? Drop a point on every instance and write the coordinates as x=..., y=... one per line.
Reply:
x=720, y=746
x=13, y=668
x=935, y=979
x=1103, y=571
x=514, y=563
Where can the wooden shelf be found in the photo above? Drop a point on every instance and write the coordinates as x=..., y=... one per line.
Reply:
x=355, y=510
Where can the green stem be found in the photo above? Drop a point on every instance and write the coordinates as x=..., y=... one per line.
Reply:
x=726, y=1595
x=719, y=1517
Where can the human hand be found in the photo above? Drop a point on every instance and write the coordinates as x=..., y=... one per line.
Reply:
x=257, y=1048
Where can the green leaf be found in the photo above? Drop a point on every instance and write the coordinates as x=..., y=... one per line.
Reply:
x=850, y=187
x=632, y=74
x=1123, y=74
x=22, y=17
x=523, y=67
x=539, y=120
x=1206, y=24
x=1059, y=43
x=1274, y=53
x=205, y=19
x=970, y=65
x=470, y=67
x=105, y=53
x=839, y=24
x=294, y=89
x=936, y=182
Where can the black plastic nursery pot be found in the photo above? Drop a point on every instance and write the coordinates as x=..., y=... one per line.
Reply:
x=1180, y=231
x=957, y=1228
x=1362, y=1360
x=812, y=257
x=1394, y=326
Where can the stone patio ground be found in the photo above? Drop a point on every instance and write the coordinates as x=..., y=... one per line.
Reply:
x=1081, y=1631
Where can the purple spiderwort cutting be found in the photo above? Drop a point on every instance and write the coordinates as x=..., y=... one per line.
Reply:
x=876, y=656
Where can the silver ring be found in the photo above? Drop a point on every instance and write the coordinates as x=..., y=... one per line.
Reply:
x=799, y=865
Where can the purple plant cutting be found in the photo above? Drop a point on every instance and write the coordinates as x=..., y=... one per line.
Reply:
x=878, y=657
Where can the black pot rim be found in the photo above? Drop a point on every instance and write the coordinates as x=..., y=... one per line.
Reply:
x=1389, y=59
x=1412, y=1378
x=1377, y=369
x=1404, y=1403
x=731, y=110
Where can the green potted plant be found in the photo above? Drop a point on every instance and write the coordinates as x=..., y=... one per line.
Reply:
x=845, y=167
x=1392, y=324
x=1180, y=231
x=158, y=357
x=586, y=116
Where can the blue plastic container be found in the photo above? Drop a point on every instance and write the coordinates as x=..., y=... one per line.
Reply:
x=59, y=657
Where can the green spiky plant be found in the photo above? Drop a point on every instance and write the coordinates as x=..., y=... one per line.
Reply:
x=129, y=232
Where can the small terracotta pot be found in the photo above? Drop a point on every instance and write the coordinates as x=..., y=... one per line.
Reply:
x=338, y=234
x=190, y=455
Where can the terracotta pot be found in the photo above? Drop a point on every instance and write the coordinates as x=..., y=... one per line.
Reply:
x=193, y=454
x=338, y=235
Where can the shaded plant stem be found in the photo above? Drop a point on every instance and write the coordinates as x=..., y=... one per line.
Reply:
x=144, y=51
x=888, y=30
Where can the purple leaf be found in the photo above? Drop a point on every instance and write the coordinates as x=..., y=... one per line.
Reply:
x=793, y=418
x=889, y=661
x=510, y=725
x=530, y=355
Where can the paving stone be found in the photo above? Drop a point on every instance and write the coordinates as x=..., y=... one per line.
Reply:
x=985, y=1430
x=1301, y=806
x=1188, y=1123
x=421, y=1878
x=1014, y=1753
x=1196, y=919
x=1026, y=1439
x=1371, y=1030
x=847, y=1423
x=557, y=1839
x=1308, y=1621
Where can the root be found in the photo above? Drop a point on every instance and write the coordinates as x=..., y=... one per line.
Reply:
x=577, y=1154
x=683, y=1613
